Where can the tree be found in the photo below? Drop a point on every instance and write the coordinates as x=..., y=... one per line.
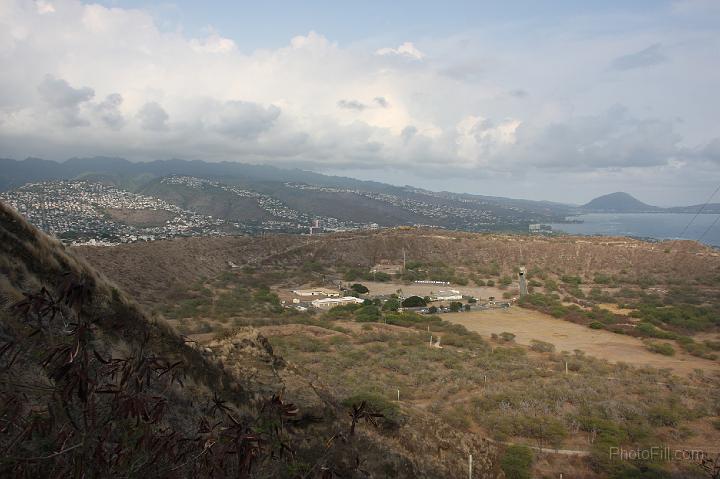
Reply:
x=517, y=462
x=414, y=302
x=391, y=304
x=432, y=310
x=359, y=288
x=455, y=306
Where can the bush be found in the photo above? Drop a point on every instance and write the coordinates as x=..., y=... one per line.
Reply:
x=367, y=314
x=392, y=418
x=490, y=282
x=414, y=302
x=517, y=461
x=665, y=349
x=359, y=288
x=542, y=346
x=507, y=337
x=596, y=325
x=391, y=304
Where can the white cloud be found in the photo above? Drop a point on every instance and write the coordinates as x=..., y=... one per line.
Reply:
x=407, y=49
x=43, y=8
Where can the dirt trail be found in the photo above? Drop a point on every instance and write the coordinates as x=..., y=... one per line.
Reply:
x=527, y=325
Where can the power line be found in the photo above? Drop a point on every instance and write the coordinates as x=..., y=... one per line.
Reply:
x=698, y=213
x=709, y=228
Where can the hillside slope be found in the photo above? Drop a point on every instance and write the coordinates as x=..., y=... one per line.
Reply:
x=91, y=386
x=182, y=261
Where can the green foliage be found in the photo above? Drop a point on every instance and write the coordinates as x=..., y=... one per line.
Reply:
x=342, y=312
x=550, y=285
x=414, y=302
x=517, y=461
x=684, y=317
x=507, y=337
x=542, y=346
x=360, y=288
x=455, y=306
x=367, y=314
x=391, y=304
x=596, y=325
x=506, y=280
x=375, y=403
x=665, y=349
x=490, y=282
x=567, y=279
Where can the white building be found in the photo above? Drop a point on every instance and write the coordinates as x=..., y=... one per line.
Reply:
x=449, y=295
x=327, y=303
x=317, y=292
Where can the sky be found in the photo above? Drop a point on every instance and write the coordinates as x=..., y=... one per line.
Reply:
x=555, y=100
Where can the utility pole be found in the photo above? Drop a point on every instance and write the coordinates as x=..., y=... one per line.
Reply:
x=470, y=466
x=403, y=250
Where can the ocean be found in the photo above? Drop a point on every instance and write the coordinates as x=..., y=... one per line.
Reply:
x=645, y=225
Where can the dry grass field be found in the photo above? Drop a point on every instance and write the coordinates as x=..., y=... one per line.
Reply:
x=527, y=325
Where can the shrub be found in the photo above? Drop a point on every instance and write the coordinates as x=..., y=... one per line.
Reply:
x=490, y=282
x=367, y=314
x=391, y=304
x=665, y=349
x=571, y=279
x=359, y=288
x=507, y=337
x=542, y=346
x=596, y=325
x=517, y=461
x=392, y=418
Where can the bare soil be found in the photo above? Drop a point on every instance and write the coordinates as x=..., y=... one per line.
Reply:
x=527, y=325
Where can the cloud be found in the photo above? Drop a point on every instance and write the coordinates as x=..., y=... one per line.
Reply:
x=239, y=119
x=652, y=55
x=381, y=102
x=109, y=111
x=351, y=105
x=518, y=93
x=407, y=50
x=64, y=101
x=153, y=117
x=43, y=8
x=452, y=110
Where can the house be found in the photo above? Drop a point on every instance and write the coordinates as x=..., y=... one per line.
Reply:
x=327, y=303
x=317, y=292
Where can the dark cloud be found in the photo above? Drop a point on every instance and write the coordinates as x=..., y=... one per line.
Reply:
x=64, y=100
x=351, y=105
x=153, y=117
x=381, y=102
x=240, y=119
x=408, y=133
x=109, y=111
x=518, y=93
x=613, y=139
x=649, y=56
